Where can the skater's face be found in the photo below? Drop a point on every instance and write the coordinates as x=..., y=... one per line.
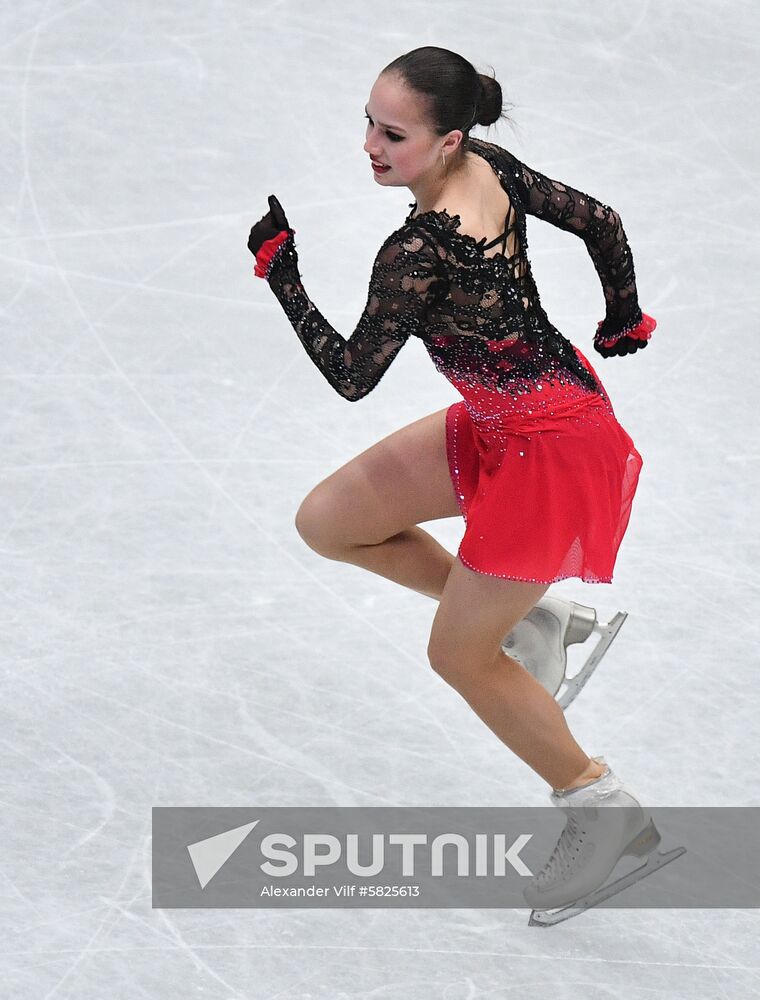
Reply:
x=399, y=136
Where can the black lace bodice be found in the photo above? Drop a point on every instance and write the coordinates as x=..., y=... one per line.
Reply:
x=479, y=317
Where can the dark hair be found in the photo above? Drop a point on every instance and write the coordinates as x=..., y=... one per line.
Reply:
x=458, y=96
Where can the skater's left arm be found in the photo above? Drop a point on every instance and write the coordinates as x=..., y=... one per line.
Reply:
x=625, y=328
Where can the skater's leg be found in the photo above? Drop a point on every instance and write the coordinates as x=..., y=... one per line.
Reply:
x=368, y=511
x=474, y=614
x=411, y=557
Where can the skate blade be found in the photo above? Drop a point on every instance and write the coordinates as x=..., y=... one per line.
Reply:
x=656, y=860
x=607, y=633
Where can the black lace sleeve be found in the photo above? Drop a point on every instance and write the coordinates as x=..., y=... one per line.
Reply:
x=624, y=328
x=406, y=277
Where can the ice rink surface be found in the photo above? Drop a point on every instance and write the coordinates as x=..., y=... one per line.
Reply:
x=169, y=639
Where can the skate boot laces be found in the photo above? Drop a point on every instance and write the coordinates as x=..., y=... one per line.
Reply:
x=564, y=853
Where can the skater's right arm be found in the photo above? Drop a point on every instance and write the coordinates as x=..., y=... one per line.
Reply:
x=406, y=278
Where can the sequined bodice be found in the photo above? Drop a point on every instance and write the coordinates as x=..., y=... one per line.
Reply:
x=479, y=316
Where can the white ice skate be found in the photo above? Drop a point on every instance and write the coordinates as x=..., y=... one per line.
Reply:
x=540, y=640
x=593, y=844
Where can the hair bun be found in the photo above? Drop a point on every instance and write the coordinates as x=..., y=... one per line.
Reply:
x=490, y=100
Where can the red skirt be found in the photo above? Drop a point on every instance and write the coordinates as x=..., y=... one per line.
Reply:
x=545, y=481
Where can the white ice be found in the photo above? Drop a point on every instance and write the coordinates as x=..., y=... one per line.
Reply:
x=169, y=639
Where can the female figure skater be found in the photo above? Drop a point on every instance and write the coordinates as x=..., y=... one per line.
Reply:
x=532, y=456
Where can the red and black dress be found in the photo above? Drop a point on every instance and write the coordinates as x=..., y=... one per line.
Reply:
x=544, y=473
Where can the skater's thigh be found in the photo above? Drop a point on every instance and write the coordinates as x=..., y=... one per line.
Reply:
x=401, y=481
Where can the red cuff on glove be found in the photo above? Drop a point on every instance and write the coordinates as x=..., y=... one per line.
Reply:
x=267, y=252
x=641, y=331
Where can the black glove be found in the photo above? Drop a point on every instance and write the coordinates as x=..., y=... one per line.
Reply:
x=626, y=345
x=631, y=341
x=268, y=226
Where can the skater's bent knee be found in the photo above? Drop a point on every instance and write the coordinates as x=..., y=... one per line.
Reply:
x=316, y=527
x=438, y=660
x=453, y=663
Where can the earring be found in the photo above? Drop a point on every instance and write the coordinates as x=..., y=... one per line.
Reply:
x=444, y=157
